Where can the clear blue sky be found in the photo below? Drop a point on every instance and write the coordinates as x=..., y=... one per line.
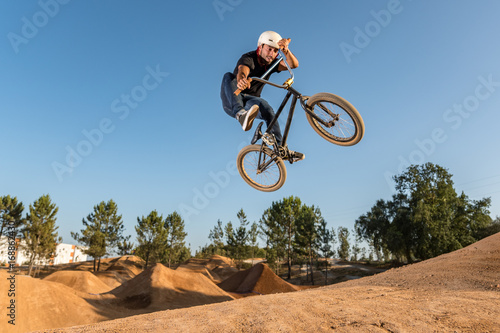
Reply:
x=133, y=88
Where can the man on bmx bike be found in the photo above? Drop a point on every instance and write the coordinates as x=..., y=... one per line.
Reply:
x=248, y=105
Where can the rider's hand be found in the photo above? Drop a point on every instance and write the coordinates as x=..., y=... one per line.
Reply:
x=243, y=84
x=283, y=44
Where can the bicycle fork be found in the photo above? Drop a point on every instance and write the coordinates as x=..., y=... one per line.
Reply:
x=335, y=117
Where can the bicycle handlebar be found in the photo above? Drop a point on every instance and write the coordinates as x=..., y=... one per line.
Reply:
x=261, y=79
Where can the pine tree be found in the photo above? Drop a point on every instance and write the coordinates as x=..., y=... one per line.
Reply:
x=176, y=235
x=125, y=247
x=103, y=231
x=280, y=223
x=39, y=230
x=325, y=238
x=11, y=213
x=307, y=232
x=275, y=240
x=253, y=235
x=241, y=236
x=230, y=239
x=343, y=250
x=152, y=237
x=216, y=236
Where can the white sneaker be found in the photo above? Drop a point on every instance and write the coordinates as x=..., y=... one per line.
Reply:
x=246, y=118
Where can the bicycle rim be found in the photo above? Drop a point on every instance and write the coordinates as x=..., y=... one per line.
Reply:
x=261, y=170
x=348, y=126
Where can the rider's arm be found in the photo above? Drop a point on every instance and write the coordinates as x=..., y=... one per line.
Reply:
x=242, y=76
x=290, y=57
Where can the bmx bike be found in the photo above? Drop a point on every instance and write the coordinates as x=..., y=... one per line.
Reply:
x=332, y=117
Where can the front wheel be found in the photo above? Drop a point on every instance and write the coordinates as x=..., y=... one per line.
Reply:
x=261, y=169
x=344, y=125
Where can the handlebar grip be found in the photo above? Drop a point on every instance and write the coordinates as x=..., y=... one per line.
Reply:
x=238, y=91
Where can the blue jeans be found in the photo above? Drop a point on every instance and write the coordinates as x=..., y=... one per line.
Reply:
x=232, y=104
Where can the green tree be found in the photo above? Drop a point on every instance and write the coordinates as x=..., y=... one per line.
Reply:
x=216, y=236
x=326, y=239
x=11, y=212
x=308, y=223
x=490, y=229
x=125, y=247
x=280, y=220
x=343, y=250
x=355, y=250
x=274, y=238
x=152, y=237
x=230, y=239
x=374, y=225
x=253, y=236
x=103, y=231
x=241, y=236
x=39, y=230
x=425, y=217
x=176, y=249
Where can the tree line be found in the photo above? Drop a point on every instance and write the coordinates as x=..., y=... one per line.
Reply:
x=291, y=231
x=425, y=218
x=102, y=235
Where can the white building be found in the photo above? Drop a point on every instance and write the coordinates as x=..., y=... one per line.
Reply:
x=68, y=253
x=65, y=253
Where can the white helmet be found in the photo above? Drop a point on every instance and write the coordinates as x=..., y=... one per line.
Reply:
x=270, y=38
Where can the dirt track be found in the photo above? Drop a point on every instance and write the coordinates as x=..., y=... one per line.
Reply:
x=456, y=292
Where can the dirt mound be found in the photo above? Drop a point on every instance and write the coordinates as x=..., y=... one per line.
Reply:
x=225, y=272
x=86, y=265
x=475, y=267
x=222, y=266
x=159, y=287
x=459, y=291
x=217, y=261
x=200, y=269
x=127, y=266
x=42, y=304
x=83, y=281
x=259, y=279
x=217, y=268
x=110, y=278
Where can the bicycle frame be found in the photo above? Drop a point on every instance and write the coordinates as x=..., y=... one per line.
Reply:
x=332, y=117
x=296, y=96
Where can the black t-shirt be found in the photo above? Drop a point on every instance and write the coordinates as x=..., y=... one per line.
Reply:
x=256, y=70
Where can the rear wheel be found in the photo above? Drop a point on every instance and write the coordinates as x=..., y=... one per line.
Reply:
x=345, y=127
x=261, y=169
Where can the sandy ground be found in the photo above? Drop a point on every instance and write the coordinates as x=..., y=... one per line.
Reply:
x=456, y=292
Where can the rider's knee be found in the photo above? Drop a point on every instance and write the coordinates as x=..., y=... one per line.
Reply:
x=228, y=77
x=265, y=106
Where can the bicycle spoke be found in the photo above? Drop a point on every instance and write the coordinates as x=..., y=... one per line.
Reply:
x=348, y=126
x=268, y=176
x=343, y=128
